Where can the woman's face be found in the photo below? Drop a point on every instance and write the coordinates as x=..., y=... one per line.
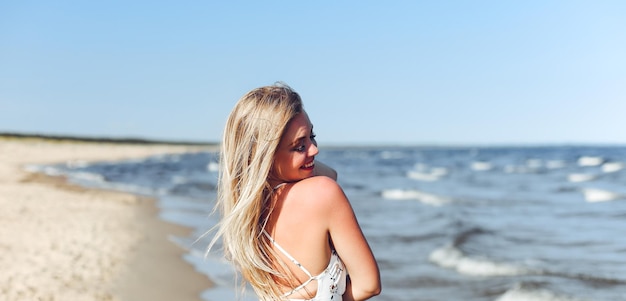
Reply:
x=294, y=158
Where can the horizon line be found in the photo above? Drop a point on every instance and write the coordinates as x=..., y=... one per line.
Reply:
x=140, y=140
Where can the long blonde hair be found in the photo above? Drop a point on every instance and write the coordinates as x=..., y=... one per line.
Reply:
x=251, y=137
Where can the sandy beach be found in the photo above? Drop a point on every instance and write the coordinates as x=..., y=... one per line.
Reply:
x=59, y=241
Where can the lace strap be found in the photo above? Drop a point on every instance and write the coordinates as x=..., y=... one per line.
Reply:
x=298, y=264
x=280, y=185
x=287, y=254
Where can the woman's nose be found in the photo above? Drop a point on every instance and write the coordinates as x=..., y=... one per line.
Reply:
x=313, y=150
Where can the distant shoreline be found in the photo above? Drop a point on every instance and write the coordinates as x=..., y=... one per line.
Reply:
x=331, y=145
x=129, y=140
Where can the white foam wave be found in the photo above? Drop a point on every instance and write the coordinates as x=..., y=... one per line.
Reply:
x=612, y=166
x=481, y=166
x=75, y=175
x=86, y=176
x=32, y=168
x=47, y=170
x=213, y=166
x=522, y=294
x=590, y=161
x=594, y=195
x=423, y=173
x=580, y=177
x=421, y=176
x=452, y=258
x=423, y=197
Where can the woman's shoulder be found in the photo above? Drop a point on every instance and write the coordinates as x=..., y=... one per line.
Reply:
x=315, y=198
x=317, y=189
x=320, y=184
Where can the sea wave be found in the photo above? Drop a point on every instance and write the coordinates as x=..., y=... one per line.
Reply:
x=580, y=177
x=86, y=176
x=423, y=172
x=77, y=176
x=481, y=166
x=423, y=197
x=452, y=257
x=612, y=167
x=45, y=169
x=213, y=166
x=590, y=161
x=520, y=293
x=421, y=176
x=593, y=195
x=95, y=180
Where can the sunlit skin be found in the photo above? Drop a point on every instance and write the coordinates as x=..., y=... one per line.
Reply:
x=295, y=157
x=317, y=210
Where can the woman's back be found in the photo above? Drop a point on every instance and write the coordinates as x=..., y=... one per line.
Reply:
x=298, y=224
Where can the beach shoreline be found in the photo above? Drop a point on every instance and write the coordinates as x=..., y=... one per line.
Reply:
x=60, y=241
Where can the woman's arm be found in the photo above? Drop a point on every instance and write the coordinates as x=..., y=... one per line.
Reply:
x=350, y=244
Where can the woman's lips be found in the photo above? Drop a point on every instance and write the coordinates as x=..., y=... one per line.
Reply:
x=309, y=166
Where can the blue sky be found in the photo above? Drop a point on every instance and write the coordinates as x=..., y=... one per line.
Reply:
x=369, y=72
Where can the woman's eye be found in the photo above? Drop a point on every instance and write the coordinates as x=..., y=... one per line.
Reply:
x=302, y=147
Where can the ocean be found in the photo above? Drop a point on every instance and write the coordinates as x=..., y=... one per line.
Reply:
x=444, y=223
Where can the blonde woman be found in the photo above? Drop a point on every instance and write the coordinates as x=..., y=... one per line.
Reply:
x=286, y=224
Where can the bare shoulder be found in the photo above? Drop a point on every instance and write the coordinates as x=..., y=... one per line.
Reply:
x=321, y=185
x=321, y=190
